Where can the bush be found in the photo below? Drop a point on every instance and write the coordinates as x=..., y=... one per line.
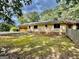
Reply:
x=4, y=27
x=14, y=29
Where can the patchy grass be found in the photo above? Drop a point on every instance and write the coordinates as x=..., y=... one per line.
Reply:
x=26, y=39
x=37, y=44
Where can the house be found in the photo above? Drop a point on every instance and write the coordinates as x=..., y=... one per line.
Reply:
x=58, y=26
x=72, y=24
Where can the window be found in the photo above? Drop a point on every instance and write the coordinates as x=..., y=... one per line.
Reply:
x=77, y=26
x=35, y=27
x=46, y=26
x=29, y=27
x=70, y=26
x=56, y=25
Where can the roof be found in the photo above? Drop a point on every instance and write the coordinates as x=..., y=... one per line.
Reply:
x=43, y=22
x=72, y=21
x=52, y=21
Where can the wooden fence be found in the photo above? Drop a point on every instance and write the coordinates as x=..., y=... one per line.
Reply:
x=73, y=34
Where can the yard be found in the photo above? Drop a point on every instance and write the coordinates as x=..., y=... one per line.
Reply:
x=37, y=45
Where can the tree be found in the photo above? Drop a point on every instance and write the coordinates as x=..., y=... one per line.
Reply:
x=33, y=16
x=72, y=12
x=68, y=2
x=70, y=8
x=10, y=7
x=23, y=19
x=29, y=17
x=50, y=14
x=65, y=9
x=46, y=15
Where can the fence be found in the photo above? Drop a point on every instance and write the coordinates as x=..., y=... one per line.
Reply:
x=73, y=34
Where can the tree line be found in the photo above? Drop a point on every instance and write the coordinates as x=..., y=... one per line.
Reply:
x=66, y=9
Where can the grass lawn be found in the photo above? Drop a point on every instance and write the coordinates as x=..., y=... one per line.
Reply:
x=37, y=44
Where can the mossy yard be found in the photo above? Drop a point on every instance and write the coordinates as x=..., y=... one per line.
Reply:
x=39, y=44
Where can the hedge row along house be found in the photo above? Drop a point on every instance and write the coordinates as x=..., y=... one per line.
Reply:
x=58, y=26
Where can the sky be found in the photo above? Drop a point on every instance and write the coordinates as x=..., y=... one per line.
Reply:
x=39, y=5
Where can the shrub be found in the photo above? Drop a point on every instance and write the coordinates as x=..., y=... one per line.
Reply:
x=4, y=27
x=14, y=29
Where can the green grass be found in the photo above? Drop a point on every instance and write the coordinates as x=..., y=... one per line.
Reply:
x=37, y=44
